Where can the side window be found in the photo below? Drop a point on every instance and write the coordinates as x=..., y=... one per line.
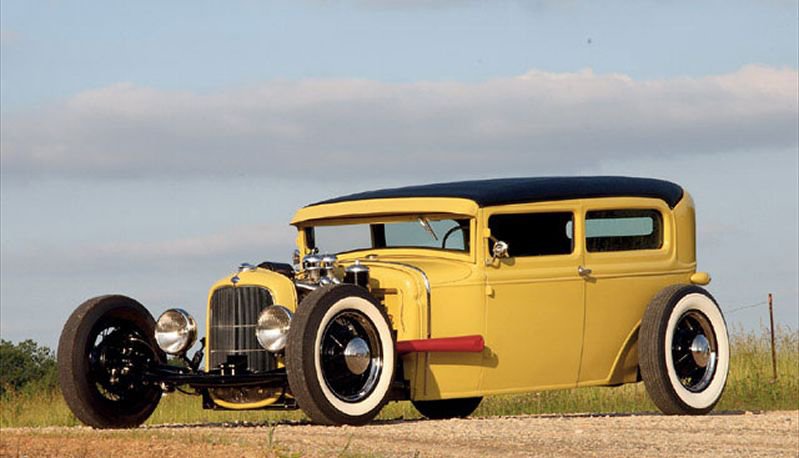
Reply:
x=534, y=234
x=623, y=230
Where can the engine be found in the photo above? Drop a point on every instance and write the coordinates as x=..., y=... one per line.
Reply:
x=323, y=269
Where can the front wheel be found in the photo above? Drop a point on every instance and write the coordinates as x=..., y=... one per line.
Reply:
x=340, y=356
x=684, y=351
x=104, y=349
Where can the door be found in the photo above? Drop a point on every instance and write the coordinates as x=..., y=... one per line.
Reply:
x=535, y=299
x=631, y=257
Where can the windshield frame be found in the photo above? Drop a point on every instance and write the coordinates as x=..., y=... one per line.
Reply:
x=306, y=237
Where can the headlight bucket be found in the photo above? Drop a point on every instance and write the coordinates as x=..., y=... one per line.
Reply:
x=272, y=329
x=175, y=331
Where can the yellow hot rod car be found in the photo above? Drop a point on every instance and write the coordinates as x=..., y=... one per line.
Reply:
x=438, y=294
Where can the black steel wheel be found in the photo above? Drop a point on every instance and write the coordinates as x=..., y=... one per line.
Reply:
x=694, y=351
x=447, y=408
x=104, y=349
x=340, y=356
x=684, y=350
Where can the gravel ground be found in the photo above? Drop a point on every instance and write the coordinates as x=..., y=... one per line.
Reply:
x=717, y=435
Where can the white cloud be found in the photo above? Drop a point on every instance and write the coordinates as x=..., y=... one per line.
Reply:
x=521, y=125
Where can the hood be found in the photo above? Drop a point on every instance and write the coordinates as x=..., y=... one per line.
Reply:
x=438, y=271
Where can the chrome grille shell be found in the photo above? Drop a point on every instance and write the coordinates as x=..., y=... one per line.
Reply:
x=234, y=313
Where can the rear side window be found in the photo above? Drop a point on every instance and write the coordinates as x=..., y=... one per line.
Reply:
x=623, y=230
x=534, y=234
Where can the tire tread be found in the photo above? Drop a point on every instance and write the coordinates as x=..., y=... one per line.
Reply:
x=70, y=354
x=300, y=366
x=652, y=353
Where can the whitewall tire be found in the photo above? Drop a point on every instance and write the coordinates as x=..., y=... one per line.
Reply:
x=340, y=356
x=684, y=351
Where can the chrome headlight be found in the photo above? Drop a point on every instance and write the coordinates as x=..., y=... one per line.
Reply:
x=272, y=329
x=175, y=331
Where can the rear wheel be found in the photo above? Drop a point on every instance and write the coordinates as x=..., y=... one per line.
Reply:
x=340, y=356
x=684, y=350
x=104, y=349
x=447, y=408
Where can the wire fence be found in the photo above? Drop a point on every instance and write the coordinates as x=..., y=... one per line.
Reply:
x=744, y=307
x=770, y=305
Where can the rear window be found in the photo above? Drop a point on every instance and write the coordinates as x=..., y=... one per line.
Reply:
x=533, y=234
x=623, y=230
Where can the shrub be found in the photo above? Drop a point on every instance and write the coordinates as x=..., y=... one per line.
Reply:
x=26, y=363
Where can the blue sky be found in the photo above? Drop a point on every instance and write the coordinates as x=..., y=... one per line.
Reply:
x=56, y=49
x=149, y=147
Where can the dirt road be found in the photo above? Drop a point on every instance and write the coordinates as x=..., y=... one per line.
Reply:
x=722, y=434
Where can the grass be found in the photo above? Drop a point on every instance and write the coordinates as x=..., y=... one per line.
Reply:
x=749, y=387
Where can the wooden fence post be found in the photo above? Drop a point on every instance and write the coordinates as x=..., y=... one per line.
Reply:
x=773, y=346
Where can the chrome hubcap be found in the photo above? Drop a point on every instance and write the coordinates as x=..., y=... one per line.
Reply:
x=694, y=351
x=357, y=356
x=700, y=350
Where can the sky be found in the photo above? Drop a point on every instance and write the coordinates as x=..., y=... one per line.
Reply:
x=148, y=148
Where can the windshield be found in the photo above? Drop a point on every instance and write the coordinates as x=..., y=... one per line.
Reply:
x=432, y=232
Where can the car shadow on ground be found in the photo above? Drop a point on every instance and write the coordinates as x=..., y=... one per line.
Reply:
x=231, y=424
x=563, y=415
x=400, y=420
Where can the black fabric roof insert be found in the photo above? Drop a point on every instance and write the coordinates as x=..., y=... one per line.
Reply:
x=502, y=191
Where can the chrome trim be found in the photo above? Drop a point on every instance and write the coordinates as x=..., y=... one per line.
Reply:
x=305, y=286
x=369, y=363
x=498, y=251
x=243, y=267
x=700, y=350
x=311, y=260
x=357, y=356
x=187, y=333
x=427, y=227
x=295, y=259
x=698, y=353
x=327, y=266
x=273, y=339
x=356, y=267
x=357, y=274
x=311, y=265
x=328, y=260
x=231, y=309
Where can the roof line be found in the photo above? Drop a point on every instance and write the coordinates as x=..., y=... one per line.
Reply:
x=502, y=191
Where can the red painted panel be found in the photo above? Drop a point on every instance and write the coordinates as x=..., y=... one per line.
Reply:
x=464, y=344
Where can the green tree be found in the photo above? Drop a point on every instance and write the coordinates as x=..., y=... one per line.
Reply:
x=26, y=363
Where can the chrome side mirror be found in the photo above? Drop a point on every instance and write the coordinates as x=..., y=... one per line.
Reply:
x=499, y=251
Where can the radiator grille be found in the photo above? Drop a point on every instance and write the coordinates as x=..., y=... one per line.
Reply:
x=234, y=313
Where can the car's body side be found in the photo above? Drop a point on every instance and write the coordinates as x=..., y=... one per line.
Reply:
x=427, y=294
x=622, y=286
x=545, y=326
